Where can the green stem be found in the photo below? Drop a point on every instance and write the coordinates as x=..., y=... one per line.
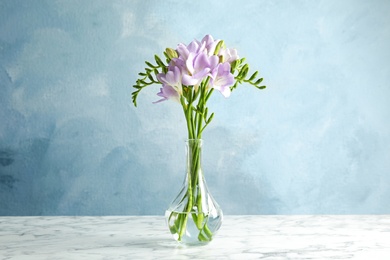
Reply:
x=194, y=119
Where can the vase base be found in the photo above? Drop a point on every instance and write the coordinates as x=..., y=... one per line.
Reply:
x=193, y=229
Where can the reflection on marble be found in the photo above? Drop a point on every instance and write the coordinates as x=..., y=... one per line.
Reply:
x=240, y=237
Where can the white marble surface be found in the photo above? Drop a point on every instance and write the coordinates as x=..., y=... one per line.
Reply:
x=240, y=237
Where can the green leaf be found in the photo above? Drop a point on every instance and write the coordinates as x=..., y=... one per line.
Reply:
x=151, y=65
x=243, y=72
x=234, y=65
x=209, y=94
x=258, y=81
x=234, y=86
x=159, y=61
x=143, y=82
x=150, y=77
x=253, y=76
x=210, y=118
x=134, y=97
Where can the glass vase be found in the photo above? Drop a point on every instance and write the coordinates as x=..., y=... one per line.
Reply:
x=194, y=217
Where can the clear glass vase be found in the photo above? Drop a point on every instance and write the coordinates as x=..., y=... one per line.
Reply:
x=194, y=217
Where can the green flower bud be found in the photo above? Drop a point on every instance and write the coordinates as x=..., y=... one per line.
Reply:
x=171, y=53
x=218, y=47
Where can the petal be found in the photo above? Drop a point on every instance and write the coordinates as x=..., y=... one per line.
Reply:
x=210, y=44
x=208, y=39
x=190, y=62
x=201, y=74
x=167, y=92
x=182, y=50
x=201, y=61
x=224, y=68
x=170, y=78
x=162, y=78
x=225, y=81
x=214, y=60
x=177, y=75
x=189, y=81
x=225, y=92
x=193, y=47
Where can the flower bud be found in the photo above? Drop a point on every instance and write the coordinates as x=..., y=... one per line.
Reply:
x=218, y=47
x=171, y=53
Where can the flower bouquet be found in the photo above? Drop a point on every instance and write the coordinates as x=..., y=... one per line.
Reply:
x=190, y=75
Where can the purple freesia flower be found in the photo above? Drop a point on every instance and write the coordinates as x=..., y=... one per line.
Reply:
x=185, y=50
x=198, y=67
x=172, y=78
x=222, y=79
x=195, y=62
x=172, y=86
x=167, y=92
x=207, y=45
x=210, y=44
x=228, y=55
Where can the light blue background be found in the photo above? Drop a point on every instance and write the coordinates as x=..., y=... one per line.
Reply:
x=316, y=141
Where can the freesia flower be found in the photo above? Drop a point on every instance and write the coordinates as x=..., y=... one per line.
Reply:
x=167, y=92
x=192, y=73
x=222, y=79
x=172, y=78
x=228, y=55
x=198, y=67
x=210, y=44
x=194, y=47
x=172, y=87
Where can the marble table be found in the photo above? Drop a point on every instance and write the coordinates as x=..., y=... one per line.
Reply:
x=240, y=237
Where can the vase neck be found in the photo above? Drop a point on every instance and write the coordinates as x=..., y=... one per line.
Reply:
x=194, y=157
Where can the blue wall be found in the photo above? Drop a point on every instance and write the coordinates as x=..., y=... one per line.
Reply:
x=316, y=141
